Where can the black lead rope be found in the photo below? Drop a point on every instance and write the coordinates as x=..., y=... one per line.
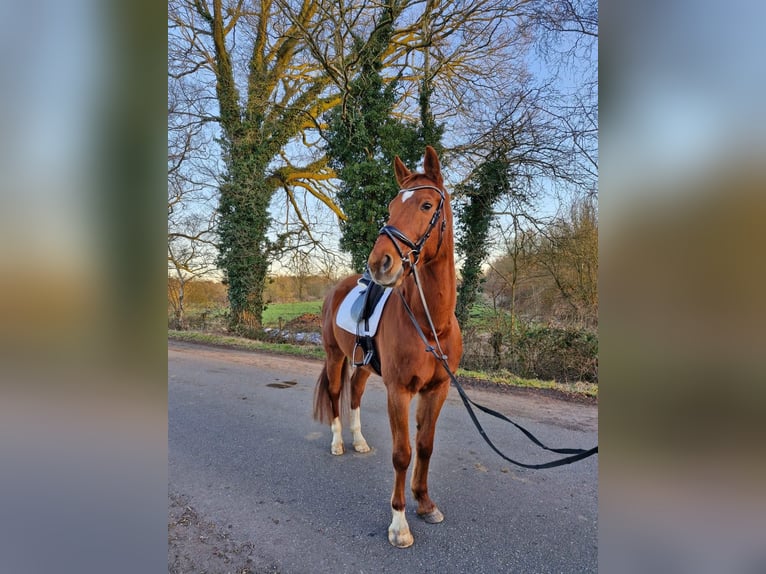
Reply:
x=576, y=453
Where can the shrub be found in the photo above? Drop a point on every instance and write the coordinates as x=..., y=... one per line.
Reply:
x=533, y=350
x=563, y=354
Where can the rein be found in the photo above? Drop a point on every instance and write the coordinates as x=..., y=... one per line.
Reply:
x=394, y=233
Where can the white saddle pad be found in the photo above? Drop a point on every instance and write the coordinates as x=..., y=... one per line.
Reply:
x=344, y=320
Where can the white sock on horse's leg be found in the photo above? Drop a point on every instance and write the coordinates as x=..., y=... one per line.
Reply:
x=360, y=445
x=337, y=439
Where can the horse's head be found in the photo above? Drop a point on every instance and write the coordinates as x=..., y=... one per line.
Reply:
x=416, y=224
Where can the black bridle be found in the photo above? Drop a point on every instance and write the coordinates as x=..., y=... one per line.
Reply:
x=397, y=236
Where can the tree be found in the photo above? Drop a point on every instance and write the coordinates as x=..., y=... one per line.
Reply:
x=362, y=140
x=521, y=148
x=191, y=245
x=488, y=183
x=270, y=85
x=569, y=253
x=506, y=275
x=190, y=256
x=546, y=131
x=430, y=131
x=282, y=95
x=566, y=34
x=550, y=274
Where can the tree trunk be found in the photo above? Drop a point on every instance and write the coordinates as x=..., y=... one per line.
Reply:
x=245, y=246
x=180, y=322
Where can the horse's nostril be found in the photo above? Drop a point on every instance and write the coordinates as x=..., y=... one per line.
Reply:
x=386, y=263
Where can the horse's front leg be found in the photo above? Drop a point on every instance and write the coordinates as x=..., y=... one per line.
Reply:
x=398, y=413
x=429, y=407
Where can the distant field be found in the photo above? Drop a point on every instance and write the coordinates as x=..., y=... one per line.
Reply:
x=288, y=311
x=481, y=315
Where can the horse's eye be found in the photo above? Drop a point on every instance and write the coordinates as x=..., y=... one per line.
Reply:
x=426, y=206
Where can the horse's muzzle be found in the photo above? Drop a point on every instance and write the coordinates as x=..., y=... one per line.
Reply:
x=386, y=270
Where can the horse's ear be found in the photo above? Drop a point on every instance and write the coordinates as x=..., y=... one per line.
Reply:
x=401, y=171
x=431, y=166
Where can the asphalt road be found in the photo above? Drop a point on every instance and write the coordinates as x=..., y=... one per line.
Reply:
x=253, y=486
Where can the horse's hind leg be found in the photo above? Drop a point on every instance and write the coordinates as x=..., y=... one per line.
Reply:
x=358, y=382
x=337, y=373
x=428, y=409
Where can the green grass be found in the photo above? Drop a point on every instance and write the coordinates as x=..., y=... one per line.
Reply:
x=507, y=378
x=288, y=311
x=306, y=351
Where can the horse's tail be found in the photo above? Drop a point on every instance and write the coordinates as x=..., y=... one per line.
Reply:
x=323, y=404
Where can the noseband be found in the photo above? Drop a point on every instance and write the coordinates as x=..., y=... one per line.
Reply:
x=396, y=235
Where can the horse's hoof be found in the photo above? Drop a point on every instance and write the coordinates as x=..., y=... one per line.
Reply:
x=362, y=447
x=401, y=539
x=336, y=449
x=433, y=517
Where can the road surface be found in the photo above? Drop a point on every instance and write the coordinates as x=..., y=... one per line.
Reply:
x=253, y=487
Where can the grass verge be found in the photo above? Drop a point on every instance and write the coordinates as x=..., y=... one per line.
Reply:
x=306, y=351
x=578, y=389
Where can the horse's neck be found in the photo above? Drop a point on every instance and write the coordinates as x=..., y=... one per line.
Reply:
x=439, y=283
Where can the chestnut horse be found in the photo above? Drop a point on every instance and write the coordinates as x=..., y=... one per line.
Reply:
x=419, y=233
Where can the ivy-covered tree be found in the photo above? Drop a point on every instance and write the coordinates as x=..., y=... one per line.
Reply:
x=488, y=183
x=430, y=132
x=362, y=140
x=262, y=93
